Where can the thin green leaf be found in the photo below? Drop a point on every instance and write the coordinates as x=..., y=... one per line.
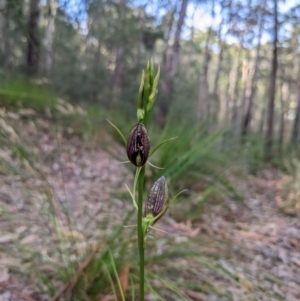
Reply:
x=132, y=197
x=170, y=286
x=116, y=274
x=119, y=132
x=168, y=205
x=154, y=165
x=150, y=288
x=159, y=145
x=132, y=193
x=132, y=288
x=110, y=279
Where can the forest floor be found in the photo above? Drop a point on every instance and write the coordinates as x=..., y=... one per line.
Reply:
x=258, y=257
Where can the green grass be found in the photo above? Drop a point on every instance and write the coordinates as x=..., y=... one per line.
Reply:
x=18, y=93
x=195, y=159
x=251, y=153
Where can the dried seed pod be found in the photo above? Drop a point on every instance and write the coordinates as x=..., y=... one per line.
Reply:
x=138, y=145
x=157, y=199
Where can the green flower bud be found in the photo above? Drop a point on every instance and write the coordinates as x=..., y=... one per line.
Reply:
x=138, y=145
x=140, y=115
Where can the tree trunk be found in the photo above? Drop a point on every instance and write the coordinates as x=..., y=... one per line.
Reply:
x=203, y=102
x=33, y=39
x=50, y=30
x=234, y=79
x=166, y=56
x=251, y=89
x=171, y=65
x=119, y=61
x=215, y=107
x=296, y=124
x=176, y=45
x=272, y=91
x=284, y=96
x=262, y=121
x=5, y=41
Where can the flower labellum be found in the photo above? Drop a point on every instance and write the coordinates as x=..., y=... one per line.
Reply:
x=157, y=199
x=138, y=145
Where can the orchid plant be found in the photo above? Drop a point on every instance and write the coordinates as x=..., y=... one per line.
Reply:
x=138, y=149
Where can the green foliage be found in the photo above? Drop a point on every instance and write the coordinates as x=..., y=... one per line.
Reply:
x=195, y=159
x=94, y=272
x=252, y=153
x=21, y=93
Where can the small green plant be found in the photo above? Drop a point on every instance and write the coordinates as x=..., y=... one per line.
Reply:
x=139, y=151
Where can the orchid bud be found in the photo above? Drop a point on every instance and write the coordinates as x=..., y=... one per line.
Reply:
x=157, y=199
x=138, y=145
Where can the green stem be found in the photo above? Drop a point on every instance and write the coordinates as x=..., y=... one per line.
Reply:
x=141, y=233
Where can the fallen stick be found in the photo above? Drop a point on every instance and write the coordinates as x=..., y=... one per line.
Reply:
x=67, y=288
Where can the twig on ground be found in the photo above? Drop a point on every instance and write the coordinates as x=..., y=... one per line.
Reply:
x=67, y=288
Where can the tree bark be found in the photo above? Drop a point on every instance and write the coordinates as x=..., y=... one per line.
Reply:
x=234, y=79
x=119, y=65
x=284, y=96
x=166, y=55
x=5, y=37
x=119, y=61
x=203, y=102
x=50, y=30
x=215, y=94
x=251, y=89
x=171, y=64
x=272, y=91
x=176, y=45
x=33, y=39
x=262, y=121
x=296, y=124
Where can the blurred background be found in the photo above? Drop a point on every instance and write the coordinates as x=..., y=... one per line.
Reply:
x=229, y=90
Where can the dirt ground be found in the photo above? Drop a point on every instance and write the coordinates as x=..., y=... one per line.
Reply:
x=260, y=243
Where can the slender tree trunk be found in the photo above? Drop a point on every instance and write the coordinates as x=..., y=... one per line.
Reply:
x=50, y=30
x=284, y=96
x=247, y=74
x=272, y=91
x=96, y=71
x=119, y=62
x=33, y=39
x=167, y=83
x=166, y=56
x=225, y=97
x=262, y=121
x=251, y=89
x=218, y=72
x=5, y=41
x=215, y=107
x=227, y=102
x=204, y=106
x=176, y=45
x=203, y=102
x=234, y=80
x=296, y=124
x=171, y=64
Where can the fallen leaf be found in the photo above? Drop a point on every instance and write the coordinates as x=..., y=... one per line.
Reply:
x=124, y=279
x=245, y=283
x=196, y=295
x=4, y=275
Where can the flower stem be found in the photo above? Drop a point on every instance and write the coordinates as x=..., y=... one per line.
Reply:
x=141, y=233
